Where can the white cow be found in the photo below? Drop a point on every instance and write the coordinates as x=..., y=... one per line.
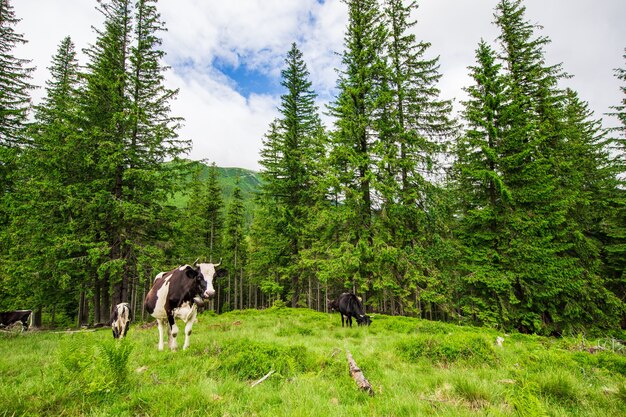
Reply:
x=120, y=320
x=172, y=296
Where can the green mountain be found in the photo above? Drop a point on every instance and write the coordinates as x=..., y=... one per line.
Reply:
x=249, y=183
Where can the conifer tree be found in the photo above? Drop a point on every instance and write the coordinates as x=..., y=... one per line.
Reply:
x=353, y=143
x=53, y=166
x=528, y=172
x=616, y=225
x=15, y=83
x=152, y=140
x=202, y=230
x=483, y=194
x=414, y=131
x=235, y=248
x=15, y=90
x=106, y=105
x=131, y=134
x=290, y=158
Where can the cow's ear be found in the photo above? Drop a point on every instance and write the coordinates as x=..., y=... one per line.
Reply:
x=191, y=273
x=221, y=272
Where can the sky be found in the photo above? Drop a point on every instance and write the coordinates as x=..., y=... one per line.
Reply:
x=225, y=57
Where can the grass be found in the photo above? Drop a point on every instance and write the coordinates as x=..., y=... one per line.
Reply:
x=417, y=368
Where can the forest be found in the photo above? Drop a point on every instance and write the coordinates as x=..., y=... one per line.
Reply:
x=510, y=214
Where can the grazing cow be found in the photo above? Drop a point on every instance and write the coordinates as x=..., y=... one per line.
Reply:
x=174, y=294
x=349, y=305
x=120, y=320
x=7, y=318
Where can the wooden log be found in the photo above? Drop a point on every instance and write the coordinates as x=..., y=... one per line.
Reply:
x=358, y=376
x=263, y=379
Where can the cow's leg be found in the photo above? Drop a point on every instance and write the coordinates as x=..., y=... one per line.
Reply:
x=191, y=318
x=349, y=320
x=341, y=319
x=160, y=325
x=172, y=331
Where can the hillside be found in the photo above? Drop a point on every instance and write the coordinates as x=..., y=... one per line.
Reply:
x=249, y=183
x=416, y=368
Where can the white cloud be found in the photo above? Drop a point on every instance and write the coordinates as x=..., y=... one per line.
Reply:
x=226, y=127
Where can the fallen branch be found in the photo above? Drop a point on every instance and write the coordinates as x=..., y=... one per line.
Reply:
x=358, y=376
x=263, y=379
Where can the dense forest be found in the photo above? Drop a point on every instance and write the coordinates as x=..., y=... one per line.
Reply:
x=510, y=214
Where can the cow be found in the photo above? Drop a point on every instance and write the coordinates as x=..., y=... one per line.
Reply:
x=176, y=293
x=120, y=320
x=349, y=305
x=8, y=318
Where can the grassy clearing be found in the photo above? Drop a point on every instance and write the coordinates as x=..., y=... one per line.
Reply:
x=417, y=368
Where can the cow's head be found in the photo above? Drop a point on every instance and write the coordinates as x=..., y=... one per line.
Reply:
x=363, y=320
x=209, y=272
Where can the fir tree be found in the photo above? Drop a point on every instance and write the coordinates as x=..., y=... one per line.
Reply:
x=352, y=158
x=235, y=249
x=616, y=225
x=15, y=90
x=202, y=231
x=527, y=179
x=54, y=165
x=14, y=82
x=131, y=134
x=483, y=194
x=414, y=128
x=290, y=158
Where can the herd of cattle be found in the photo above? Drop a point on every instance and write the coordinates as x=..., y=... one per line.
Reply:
x=176, y=294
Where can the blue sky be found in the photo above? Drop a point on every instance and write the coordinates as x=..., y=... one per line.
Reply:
x=226, y=56
x=248, y=81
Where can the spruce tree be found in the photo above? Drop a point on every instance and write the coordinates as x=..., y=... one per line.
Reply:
x=414, y=129
x=353, y=143
x=202, y=229
x=14, y=82
x=616, y=225
x=236, y=252
x=50, y=179
x=532, y=258
x=482, y=192
x=131, y=133
x=15, y=90
x=290, y=157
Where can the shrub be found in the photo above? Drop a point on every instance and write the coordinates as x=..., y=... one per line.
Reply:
x=476, y=392
x=294, y=331
x=115, y=356
x=526, y=403
x=247, y=359
x=449, y=348
x=95, y=369
x=559, y=386
x=608, y=360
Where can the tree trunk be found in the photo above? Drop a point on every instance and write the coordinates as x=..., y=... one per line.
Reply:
x=96, y=301
x=37, y=317
x=358, y=376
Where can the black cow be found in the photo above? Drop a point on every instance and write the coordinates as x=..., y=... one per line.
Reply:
x=7, y=318
x=349, y=305
x=174, y=294
x=120, y=320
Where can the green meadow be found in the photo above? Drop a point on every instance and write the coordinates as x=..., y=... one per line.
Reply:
x=416, y=368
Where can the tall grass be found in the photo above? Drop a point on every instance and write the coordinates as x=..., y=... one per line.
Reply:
x=417, y=368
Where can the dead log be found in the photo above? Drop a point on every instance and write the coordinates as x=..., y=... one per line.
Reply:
x=358, y=376
x=263, y=379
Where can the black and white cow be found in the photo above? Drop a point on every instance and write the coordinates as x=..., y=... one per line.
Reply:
x=8, y=318
x=349, y=305
x=172, y=296
x=120, y=320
